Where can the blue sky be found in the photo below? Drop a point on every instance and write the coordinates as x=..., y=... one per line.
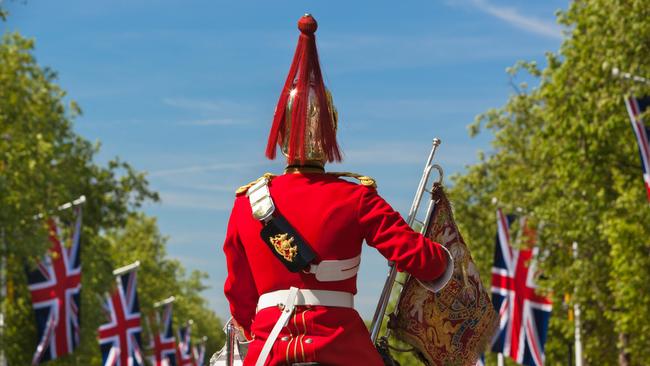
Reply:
x=185, y=90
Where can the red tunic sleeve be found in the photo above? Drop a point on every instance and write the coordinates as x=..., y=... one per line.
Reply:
x=239, y=287
x=386, y=230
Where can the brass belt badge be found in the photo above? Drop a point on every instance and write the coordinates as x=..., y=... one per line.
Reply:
x=284, y=246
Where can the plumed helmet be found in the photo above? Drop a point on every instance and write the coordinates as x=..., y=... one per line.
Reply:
x=305, y=120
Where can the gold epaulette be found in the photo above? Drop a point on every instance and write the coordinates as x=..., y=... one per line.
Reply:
x=363, y=179
x=243, y=189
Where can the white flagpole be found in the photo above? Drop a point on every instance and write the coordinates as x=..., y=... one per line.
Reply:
x=164, y=302
x=3, y=285
x=500, y=360
x=576, y=317
x=128, y=268
x=629, y=76
x=578, y=337
x=3, y=297
x=76, y=202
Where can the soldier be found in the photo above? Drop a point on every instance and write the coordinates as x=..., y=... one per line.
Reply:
x=293, y=242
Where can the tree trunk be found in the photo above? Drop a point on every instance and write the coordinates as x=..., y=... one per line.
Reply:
x=623, y=356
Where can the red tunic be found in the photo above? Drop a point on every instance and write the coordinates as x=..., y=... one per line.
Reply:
x=334, y=216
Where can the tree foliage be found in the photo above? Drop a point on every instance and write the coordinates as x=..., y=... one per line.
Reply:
x=565, y=154
x=44, y=163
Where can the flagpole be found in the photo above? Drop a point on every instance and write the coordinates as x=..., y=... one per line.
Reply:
x=576, y=317
x=76, y=202
x=164, y=302
x=629, y=76
x=3, y=297
x=127, y=268
x=79, y=201
x=230, y=344
x=3, y=280
x=500, y=360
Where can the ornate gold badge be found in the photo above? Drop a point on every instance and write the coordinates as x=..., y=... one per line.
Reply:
x=284, y=246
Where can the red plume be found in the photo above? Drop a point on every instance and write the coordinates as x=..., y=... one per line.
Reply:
x=305, y=69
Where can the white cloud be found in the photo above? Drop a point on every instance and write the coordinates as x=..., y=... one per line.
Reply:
x=114, y=122
x=213, y=122
x=384, y=153
x=515, y=18
x=207, y=187
x=394, y=109
x=202, y=168
x=208, y=112
x=194, y=201
x=350, y=52
x=202, y=240
x=202, y=105
x=195, y=262
x=207, y=106
x=400, y=153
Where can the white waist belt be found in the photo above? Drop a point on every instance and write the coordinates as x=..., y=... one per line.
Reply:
x=336, y=270
x=287, y=300
x=306, y=297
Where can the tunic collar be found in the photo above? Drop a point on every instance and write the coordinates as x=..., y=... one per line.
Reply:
x=301, y=169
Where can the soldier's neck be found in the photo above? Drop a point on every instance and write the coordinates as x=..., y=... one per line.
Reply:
x=309, y=166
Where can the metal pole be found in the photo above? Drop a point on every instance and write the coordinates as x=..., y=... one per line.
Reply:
x=384, y=298
x=3, y=297
x=230, y=344
x=128, y=268
x=578, y=337
x=163, y=302
x=3, y=277
x=500, y=360
x=629, y=76
x=576, y=314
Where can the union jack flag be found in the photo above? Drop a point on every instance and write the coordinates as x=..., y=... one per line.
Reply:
x=120, y=338
x=635, y=107
x=163, y=342
x=184, y=355
x=55, y=288
x=523, y=314
x=199, y=353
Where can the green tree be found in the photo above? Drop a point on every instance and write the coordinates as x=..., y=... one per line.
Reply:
x=44, y=163
x=564, y=152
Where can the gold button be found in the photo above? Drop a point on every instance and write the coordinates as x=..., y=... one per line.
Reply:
x=284, y=339
x=308, y=340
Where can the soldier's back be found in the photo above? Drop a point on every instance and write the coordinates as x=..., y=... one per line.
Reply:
x=324, y=209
